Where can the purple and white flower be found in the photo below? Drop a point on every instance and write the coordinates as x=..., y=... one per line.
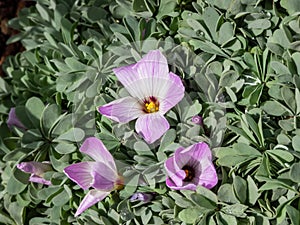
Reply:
x=142, y=197
x=100, y=175
x=154, y=91
x=13, y=120
x=37, y=170
x=191, y=167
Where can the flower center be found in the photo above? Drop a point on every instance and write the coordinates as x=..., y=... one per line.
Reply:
x=189, y=173
x=151, y=105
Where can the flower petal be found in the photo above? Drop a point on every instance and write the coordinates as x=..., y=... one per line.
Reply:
x=176, y=174
x=208, y=177
x=197, y=120
x=91, y=198
x=173, y=186
x=142, y=197
x=37, y=179
x=153, y=64
x=122, y=110
x=141, y=78
x=151, y=126
x=193, y=154
x=95, y=148
x=36, y=168
x=104, y=177
x=137, y=85
x=169, y=92
x=13, y=120
x=81, y=173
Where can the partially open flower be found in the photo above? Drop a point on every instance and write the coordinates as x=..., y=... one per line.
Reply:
x=191, y=167
x=100, y=175
x=13, y=120
x=197, y=120
x=37, y=170
x=154, y=91
x=142, y=197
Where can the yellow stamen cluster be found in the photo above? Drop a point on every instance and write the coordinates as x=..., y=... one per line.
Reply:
x=189, y=173
x=151, y=107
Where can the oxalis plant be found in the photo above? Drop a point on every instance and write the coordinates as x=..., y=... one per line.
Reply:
x=152, y=112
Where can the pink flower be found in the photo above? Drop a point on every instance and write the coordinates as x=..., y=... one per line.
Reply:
x=37, y=170
x=13, y=120
x=197, y=120
x=191, y=167
x=100, y=175
x=154, y=91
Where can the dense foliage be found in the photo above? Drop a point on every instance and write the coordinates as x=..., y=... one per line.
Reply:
x=239, y=61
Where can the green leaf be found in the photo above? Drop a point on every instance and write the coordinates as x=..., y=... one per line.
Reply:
x=274, y=108
x=296, y=57
x=274, y=184
x=32, y=139
x=167, y=139
x=34, y=109
x=43, y=12
x=289, y=98
x=63, y=197
x=237, y=210
x=67, y=30
x=294, y=215
x=140, y=5
x=203, y=201
x=75, y=65
x=166, y=8
x=49, y=118
x=228, y=78
x=5, y=219
x=16, y=212
x=72, y=135
x=253, y=193
x=189, y=215
x=39, y=221
x=95, y=14
x=226, y=194
x=226, y=219
x=291, y=6
x=238, y=154
x=46, y=193
x=15, y=186
x=296, y=143
x=295, y=172
x=282, y=156
x=275, y=48
x=110, y=141
x=207, y=193
x=211, y=18
x=226, y=33
x=142, y=148
x=259, y=24
x=240, y=188
x=64, y=148
x=287, y=124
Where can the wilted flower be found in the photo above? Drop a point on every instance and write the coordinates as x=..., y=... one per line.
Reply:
x=197, y=120
x=37, y=170
x=101, y=175
x=142, y=197
x=154, y=91
x=13, y=120
x=191, y=167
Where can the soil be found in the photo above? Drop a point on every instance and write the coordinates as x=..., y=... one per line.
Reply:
x=8, y=10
